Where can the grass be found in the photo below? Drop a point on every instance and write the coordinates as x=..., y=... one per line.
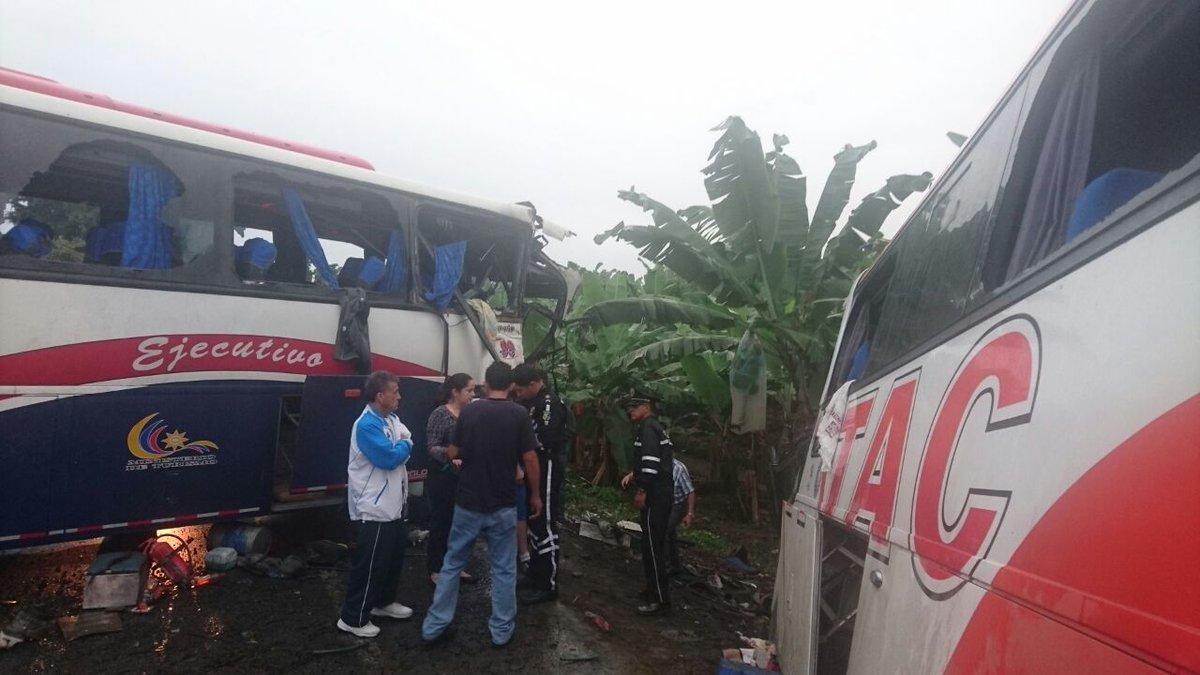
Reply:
x=613, y=505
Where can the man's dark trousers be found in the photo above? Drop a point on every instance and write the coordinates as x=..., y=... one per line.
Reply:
x=442, y=484
x=678, y=511
x=375, y=572
x=654, y=519
x=543, y=532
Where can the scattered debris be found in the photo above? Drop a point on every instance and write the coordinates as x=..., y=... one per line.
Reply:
x=275, y=568
x=241, y=537
x=220, y=559
x=115, y=580
x=89, y=623
x=206, y=580
x=714, y=581
x=598, y=621
x=598, y=532
x=758, y=653
x=25, y=625
x=738, y=564
x=325, y=553
x=631, y=533
x=417, y=537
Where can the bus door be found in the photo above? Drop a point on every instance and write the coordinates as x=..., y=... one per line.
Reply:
x=315, y=461
x=795, y=588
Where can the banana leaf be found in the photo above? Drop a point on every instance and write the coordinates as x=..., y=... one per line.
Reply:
x=656, y=310
x=674, y=349
x=745, y=202
x=836, y=193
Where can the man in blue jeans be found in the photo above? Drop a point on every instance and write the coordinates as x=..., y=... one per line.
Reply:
x=493, y=434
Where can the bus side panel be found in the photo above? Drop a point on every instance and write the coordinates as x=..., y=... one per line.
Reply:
x=1084, y=467
x=120, y=459
x=329, y=409
x=795, y=603
x=32, y=466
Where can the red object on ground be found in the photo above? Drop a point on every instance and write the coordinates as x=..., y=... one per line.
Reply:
x=42, y=85
x=166, y=557
x=599, y=621
x=206, y=580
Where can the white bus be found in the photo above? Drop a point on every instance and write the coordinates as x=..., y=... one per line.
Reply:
x=1005, y=476
x=187, y=311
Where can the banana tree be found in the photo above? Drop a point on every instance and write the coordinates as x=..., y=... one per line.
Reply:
x=761, y=265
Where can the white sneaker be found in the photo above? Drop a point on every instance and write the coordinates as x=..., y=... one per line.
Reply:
x=393, y=611
x=367, y=630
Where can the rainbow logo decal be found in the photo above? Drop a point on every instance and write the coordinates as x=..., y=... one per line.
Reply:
x=149, y=440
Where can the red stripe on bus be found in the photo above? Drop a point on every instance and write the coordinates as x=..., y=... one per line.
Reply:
x=148, y=355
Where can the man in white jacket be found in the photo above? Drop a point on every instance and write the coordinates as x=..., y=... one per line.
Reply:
x=377, y=489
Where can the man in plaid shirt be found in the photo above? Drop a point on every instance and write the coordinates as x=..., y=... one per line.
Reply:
x=683, y=510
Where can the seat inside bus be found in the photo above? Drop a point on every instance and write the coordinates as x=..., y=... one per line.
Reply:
x=1117, y=109
x=254, y=258
x=108, y=199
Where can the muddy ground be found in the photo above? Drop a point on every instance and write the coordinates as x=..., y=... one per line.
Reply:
x=250, y=623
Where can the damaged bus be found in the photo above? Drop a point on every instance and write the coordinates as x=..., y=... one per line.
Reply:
x=1005, y=473
x=188, y=311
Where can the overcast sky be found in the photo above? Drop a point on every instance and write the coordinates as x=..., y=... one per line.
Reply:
x=558, y=103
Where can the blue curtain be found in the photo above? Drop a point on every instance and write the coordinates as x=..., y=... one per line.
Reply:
x=447, y=270
x=147, y=244
x=308, y=237
x=395, y=272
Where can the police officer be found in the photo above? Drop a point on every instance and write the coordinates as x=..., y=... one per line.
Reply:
x=551, y=422
x=655, y=491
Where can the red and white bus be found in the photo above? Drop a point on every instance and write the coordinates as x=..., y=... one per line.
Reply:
x=1005, y=476
x=172, y=294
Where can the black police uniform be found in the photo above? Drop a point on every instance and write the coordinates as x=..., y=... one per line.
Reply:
x=655, y=459
x=550, y=419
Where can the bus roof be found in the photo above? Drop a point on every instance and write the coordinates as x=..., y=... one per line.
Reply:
x=42, y=85
x=31, y=92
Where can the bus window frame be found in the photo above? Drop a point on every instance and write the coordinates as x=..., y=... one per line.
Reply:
x=1170, y=193
x=206, y=265
x=494, y=223
x=1176, y=191
x=218, y=275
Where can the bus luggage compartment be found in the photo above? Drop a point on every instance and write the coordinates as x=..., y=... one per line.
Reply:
x=156, y=455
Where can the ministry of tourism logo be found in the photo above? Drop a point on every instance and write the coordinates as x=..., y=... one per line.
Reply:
x=156, y=448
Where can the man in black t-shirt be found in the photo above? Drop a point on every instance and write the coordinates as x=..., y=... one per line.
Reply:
x=492, y=436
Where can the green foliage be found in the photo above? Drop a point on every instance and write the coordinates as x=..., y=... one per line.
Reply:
x=656, y=310
x=750, y=264
x=755, y=252
x=69, y=222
